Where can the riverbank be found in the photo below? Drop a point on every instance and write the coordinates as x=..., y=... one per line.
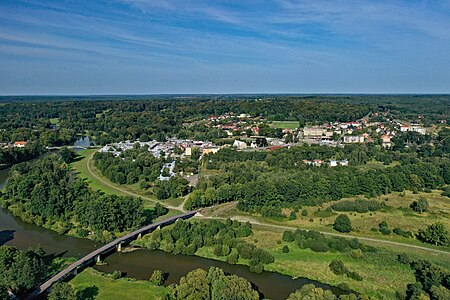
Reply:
x=94, y=284
x=383, y=275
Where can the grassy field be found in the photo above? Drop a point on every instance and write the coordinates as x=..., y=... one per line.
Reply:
x=81, y=167
x=383, y=274
x=285, y=124
x=99, y=286
x=397, y=214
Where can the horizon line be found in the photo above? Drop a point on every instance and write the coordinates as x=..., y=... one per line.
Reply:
x=222, y=94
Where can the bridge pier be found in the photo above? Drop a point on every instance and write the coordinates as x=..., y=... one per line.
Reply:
x=95, y=256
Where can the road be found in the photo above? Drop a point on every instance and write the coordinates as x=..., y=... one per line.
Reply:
x=104, y=249
x=180, y=208
x=123, y=191
x=342, y=235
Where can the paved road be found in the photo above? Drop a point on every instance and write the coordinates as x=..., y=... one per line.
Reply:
x=106, y=248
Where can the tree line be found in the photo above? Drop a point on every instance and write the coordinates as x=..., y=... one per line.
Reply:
x=48, y=193
x=186, y=237
x=265, y=182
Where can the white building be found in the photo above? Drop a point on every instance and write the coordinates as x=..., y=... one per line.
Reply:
x=240, y=144
x=353, y=139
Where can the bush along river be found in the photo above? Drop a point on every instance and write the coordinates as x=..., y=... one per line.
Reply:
x=140, y=263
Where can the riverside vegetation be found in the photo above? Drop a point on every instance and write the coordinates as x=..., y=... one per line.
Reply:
x=399, y=194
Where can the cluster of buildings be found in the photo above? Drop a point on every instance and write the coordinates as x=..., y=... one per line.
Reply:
x=18, y=144
x=158, y=149
x=234, y=124
x=331, y=163
x=358, y=132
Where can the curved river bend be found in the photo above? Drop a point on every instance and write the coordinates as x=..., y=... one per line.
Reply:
x=140, y=263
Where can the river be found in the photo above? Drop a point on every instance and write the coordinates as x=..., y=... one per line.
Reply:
x=140, y=263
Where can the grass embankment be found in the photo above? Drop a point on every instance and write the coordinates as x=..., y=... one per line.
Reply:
x=96, y=285
x=383, y=274
x=86, y=170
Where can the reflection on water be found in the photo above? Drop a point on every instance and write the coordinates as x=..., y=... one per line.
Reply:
x=141, y=263
x=27, y=235
x=3, y=177
x=82, y=142
x=137, y=264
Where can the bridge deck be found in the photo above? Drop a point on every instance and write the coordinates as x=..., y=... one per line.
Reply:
x=91, y=256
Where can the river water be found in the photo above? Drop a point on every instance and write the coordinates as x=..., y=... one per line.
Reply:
x=140, y=263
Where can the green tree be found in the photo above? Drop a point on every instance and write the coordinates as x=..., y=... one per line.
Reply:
x=144, y=137
x=62, y=291
x=309, y=291
x=67, y=155
x=439, y=293
x=157, y=277
x=232, y=288
x=293, y=215
x=3, y=292
x=343, y=223
x=193, y=286
x=435, y=234
x=420, y=206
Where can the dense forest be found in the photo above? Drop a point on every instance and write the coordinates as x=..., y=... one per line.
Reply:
x=56, y=121
x=46, y=192
x=21, y=271
x=264, y=182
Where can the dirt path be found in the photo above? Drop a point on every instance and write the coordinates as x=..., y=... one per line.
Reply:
x=123, y=191
x=349, y=236
x=252, y=221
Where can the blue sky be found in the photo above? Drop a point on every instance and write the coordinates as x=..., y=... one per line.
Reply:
x=233, y=46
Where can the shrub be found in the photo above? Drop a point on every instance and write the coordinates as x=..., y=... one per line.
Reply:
x=359, y=205
x=288, y=236
x=285, y=249
x=117, y=274
x=356, y=253
x=420, y=206
x=304, y=213
x=258, y=268
x=338, y=267
x=342, y=224
x=385, y=231
x=320, y=246
x=233, y=258
x=354, y=275
x=403, y=258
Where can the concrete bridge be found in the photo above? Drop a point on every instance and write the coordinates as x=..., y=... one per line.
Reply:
x=106, y=250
